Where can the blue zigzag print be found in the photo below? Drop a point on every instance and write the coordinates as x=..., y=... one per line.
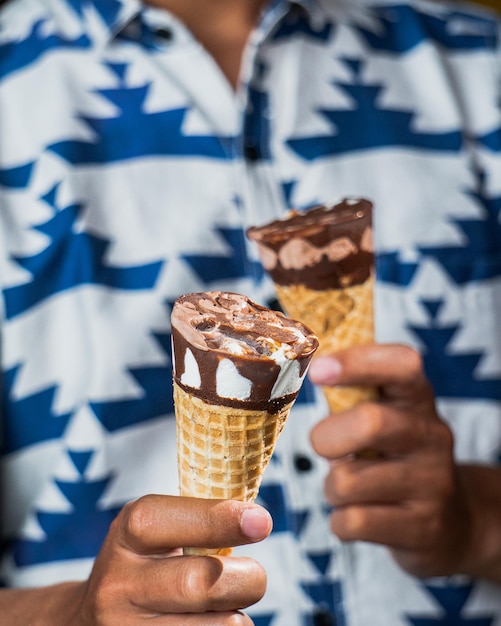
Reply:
x=71, y=259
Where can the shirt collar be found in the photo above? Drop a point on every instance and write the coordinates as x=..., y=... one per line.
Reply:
x=309, y=5
x=115, y=15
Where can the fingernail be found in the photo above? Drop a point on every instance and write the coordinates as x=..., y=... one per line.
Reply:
x=256, y=523
x=324, y=369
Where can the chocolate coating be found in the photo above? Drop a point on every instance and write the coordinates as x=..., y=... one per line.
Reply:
x=211, y=327
x=326, y=247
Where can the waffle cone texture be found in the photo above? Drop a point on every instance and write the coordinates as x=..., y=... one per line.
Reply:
x=340, y=318
x=223, y=451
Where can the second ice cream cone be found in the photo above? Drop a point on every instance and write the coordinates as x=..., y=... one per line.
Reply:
x=322, y=265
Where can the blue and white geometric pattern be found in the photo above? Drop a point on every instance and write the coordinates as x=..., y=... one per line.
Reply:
x=128, y=173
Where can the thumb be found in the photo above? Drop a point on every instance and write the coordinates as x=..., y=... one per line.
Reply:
x=397, y=370
x=325, y=370
x=156, y=524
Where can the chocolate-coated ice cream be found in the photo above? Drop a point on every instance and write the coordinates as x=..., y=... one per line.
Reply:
x=326, y=247
x=231, y=351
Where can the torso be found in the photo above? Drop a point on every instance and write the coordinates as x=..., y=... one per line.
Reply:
x=222, y=27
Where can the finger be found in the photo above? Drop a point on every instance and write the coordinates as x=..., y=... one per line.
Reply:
x=399, y=526
x=197, y=584
x=157, y=524
x=395, y=368
x=380, y=427
x=386, y=482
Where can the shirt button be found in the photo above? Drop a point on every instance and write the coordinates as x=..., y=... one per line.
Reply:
x=164, y=34
x=274, y=304
x=251, y=151
x=324, y=618
x=302, y=463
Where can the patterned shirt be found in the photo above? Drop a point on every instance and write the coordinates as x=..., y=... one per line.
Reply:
x=129, y=170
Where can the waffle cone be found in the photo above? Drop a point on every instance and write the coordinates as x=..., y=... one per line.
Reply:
x=223, y=451
x=340, y=318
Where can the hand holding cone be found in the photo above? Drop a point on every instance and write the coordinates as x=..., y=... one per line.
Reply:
x=238, y=368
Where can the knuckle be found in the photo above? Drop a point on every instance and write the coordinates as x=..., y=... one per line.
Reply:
x=337, y=526
x=356, y=521
x=413, y=363
x=206, y=586
x=320, y=438
x=342, y=482
x=137, y=518
x=445, y=436
x=349, y=524
x=372, y=419
x=196, y=584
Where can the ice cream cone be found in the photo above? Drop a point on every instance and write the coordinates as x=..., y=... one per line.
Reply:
x=238, y=368
x=340, y=318
x=223, y=451
x=322, y=264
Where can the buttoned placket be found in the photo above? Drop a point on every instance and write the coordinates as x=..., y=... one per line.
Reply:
x=304, y=471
